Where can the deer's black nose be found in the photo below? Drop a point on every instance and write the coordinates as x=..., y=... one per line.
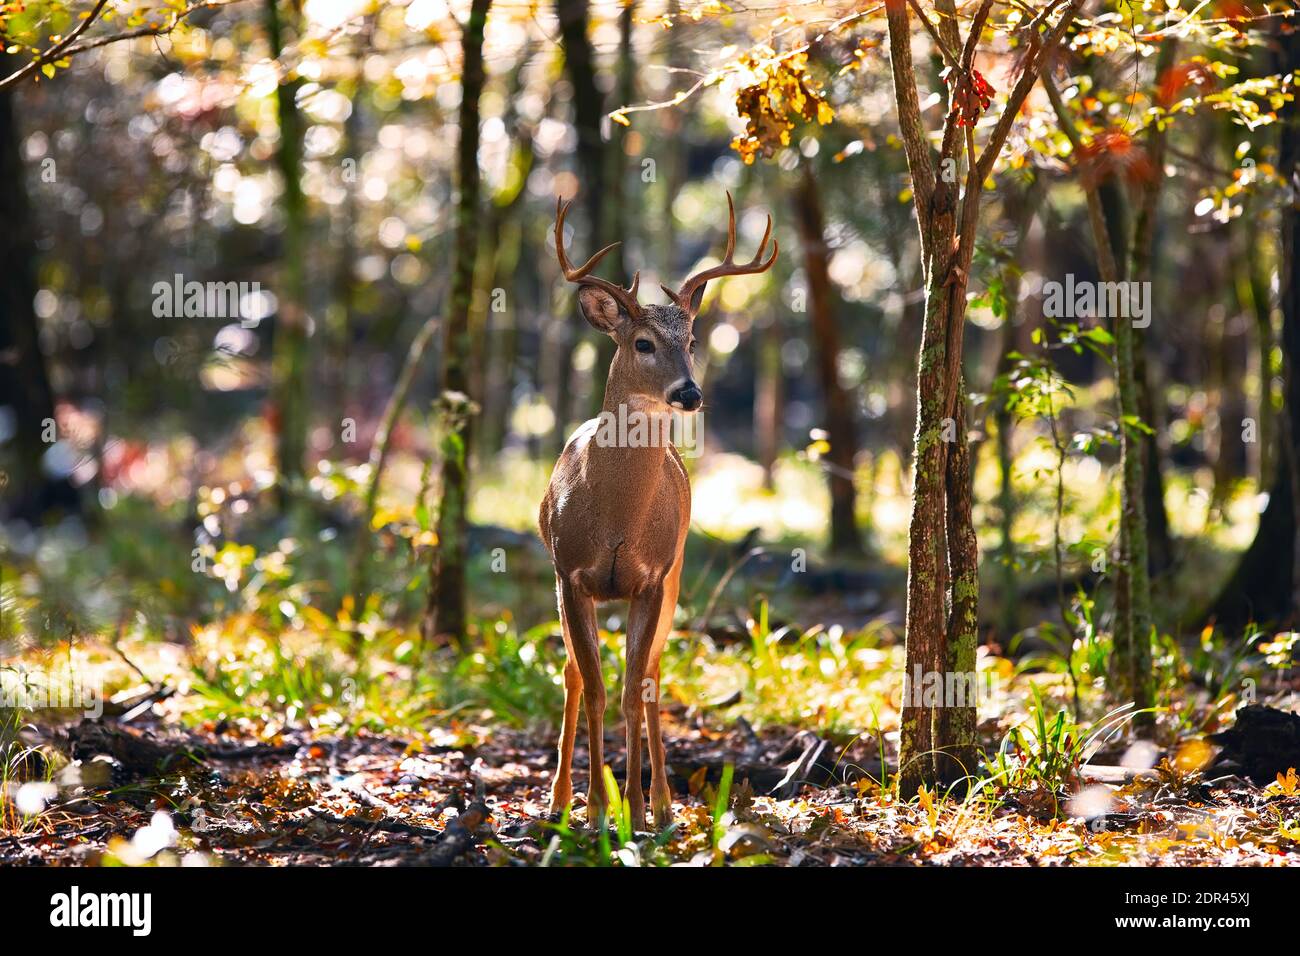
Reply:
x=687, y=397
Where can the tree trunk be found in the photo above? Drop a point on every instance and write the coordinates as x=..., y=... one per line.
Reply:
x=26, y=491
x=955, y=732
x=500, y=244
x=672, y=167
x=1021, y=208
x=445, y=615
x=500, y=373
x=845, y=537
x=1250, y=285
x=289, y=361
x=343, y=307
x=767, y=395
x=588, y=115
x=1160, y=550
x=1130, y=666
x=1263, y=587
x=623, y=203
x=941, y=626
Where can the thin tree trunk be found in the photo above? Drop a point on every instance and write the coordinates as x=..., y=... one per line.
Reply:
x=446, y=613
x=767, y=396
x=498, y=398
x=1130, y=672
x=1252, y=294
x=1021, y=207
x=1263, y=587
x=289, y=362
x=498, y=256
x=343, y=308
x=1160, y=548
x=588, y=116
x=26, y=492
x=672, y=167
x=623, y=204
x=1009, y=612
x=379, y=459
x=845, y=538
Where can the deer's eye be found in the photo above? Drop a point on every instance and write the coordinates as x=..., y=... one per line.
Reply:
x=645, y=346
x=692, y=346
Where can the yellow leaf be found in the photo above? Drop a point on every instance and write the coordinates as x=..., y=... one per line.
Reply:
x=696, y=783
x=1193, y=755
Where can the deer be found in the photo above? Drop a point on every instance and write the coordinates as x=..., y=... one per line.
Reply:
x=615, y=515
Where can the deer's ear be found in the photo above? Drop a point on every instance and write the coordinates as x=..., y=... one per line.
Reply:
x=696, y=298
x=600, y=309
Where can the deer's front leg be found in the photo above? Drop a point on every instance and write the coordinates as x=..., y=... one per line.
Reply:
x=661, y=798
x=642, y=626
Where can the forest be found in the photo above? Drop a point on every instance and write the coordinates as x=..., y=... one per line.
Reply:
x=648, y=433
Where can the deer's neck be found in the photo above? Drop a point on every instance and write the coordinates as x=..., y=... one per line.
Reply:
x=631, y=442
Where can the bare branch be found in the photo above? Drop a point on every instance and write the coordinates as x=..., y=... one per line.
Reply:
x=948, y=56
x=1033, y=65
x=915, y=142
x=1107, y=263
x=1063, y=117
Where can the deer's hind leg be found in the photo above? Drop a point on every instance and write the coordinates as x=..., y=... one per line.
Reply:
x=661, y=798
x=583, y=640
x=562, y=785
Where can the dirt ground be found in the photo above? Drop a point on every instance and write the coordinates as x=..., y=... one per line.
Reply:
x=476, y=796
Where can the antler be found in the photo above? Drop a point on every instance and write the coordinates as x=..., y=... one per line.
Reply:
x=728, y=266
x=581, y=275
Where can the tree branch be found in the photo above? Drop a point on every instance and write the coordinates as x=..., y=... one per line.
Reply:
x=1033, y=66
x=56, y=51
x=948, y=57
x=915, y=142
x=69, y=46
x=963, y=69
x=1107, y=263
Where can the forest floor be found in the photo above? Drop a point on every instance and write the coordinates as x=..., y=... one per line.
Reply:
x=255, y=716
x=470, y=795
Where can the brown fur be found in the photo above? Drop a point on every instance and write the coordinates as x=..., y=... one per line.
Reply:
x=615, y=519
x=615, y=516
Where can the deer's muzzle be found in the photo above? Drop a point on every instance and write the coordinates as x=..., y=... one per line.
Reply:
x=687, y=397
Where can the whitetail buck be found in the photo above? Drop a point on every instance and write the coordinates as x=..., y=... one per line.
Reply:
x=616, y=512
